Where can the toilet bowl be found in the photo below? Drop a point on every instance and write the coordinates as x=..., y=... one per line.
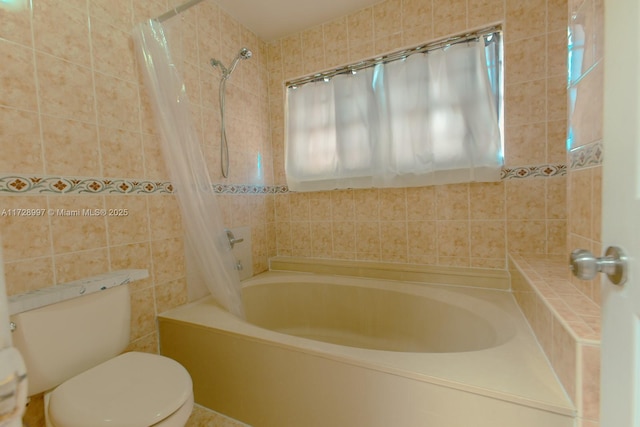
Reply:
x=73, y=353
x=128, y=390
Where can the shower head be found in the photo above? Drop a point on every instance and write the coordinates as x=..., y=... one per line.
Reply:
x=226, y=73
x=245, y=53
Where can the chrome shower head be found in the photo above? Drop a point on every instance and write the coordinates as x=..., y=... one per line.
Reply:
x=226, y=73
x=245, y=53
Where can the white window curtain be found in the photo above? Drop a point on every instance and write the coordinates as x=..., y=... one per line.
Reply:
x=430, y=118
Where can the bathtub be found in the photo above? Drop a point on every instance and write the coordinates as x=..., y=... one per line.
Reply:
x=332, y=351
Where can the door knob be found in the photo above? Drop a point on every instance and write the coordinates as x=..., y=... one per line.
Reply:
x=586, y=266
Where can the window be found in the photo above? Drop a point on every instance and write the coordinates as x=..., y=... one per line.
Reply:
x=426, y=118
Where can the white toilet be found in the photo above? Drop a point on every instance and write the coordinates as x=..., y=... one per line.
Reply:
x=72, y=351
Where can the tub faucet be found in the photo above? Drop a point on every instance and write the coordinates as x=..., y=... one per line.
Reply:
x=232, y=238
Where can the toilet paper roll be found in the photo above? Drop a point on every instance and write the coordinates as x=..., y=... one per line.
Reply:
x=13, y=387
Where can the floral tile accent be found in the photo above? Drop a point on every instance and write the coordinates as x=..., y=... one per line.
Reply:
x=29, y=184
x=540, y=171
x=16, y=184
x=586, y=156
x=24, y=184
x=249, y=189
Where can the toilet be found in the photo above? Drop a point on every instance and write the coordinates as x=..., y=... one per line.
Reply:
x=73, y=353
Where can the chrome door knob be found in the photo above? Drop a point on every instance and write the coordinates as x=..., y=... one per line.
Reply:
x=586, y=266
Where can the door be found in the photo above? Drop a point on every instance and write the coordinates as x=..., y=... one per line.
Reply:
x=621, y=214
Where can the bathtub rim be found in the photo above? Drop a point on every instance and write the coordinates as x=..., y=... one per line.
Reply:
x=550, y=396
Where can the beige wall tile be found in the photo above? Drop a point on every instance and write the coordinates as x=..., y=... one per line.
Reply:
x=360, y=27
x=487, y=200
x=79, y=265
x=393, y=238
x=117, y=103
x=393, y=204
x=23, y=148
x=336, y=48
x=422, y=242
x=482, y=12
x=16, y=26
x=421, y=203
x=526, y=59
x=526, y=199
x=25, y=236
x=16, y=75
x=526, y=236
x=321, y=239
x=417, y=13
x=387, y=18
x=70, y=147
x=168, y=260
x=449, y=17
x=453, y=239
x=118, y=14
x=61, y=28
x=452, y=202
x=74, y=231
x=591, y=382
x=487, y=239
x=525, y=18
x=525, y=144
x=527, y=103
x=65, y=89
x=29, y=274
x=112, y=50
x=128, y=219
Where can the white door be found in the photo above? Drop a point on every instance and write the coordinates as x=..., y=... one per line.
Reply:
x=621, y=214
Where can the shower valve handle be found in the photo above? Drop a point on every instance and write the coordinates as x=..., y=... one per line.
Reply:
x=232, y=238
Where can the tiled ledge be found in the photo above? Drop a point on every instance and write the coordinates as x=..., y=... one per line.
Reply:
x=567, y=325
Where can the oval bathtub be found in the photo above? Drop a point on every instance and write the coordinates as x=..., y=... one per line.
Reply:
x=319, y=350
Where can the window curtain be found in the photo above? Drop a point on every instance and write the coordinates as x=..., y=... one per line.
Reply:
x=429, y=118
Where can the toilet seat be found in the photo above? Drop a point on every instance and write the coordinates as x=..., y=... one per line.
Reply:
x=131, y=390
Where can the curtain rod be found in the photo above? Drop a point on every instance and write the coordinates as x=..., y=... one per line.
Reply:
x=177, y=10
x=352, y=68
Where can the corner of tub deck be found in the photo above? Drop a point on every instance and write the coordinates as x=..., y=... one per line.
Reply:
x=456, y=276
x=565, y=322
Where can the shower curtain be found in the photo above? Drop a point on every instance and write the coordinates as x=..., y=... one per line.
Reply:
x=204, y=231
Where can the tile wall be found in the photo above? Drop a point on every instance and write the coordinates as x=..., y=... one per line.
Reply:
x=470, y=225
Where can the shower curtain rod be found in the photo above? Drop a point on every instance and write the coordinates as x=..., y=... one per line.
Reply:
x=352, y=68
x=177, y=10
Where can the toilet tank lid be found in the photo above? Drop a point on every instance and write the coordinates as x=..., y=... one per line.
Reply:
x=133, y=390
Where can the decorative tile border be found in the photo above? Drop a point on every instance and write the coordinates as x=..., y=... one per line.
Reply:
x=17, y=184
x=540, y=171
x=249, y=189
x=29, y=184
x=586, y=156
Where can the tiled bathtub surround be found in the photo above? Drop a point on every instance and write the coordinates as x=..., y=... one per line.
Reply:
x=567, y=325
x=471, y=225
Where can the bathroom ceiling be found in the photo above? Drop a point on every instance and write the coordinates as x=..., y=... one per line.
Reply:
x=273, y=19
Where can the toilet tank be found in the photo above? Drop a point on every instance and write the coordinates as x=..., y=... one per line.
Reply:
x=61, y=340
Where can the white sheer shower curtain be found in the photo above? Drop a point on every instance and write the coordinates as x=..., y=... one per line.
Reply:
x=204, y=231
